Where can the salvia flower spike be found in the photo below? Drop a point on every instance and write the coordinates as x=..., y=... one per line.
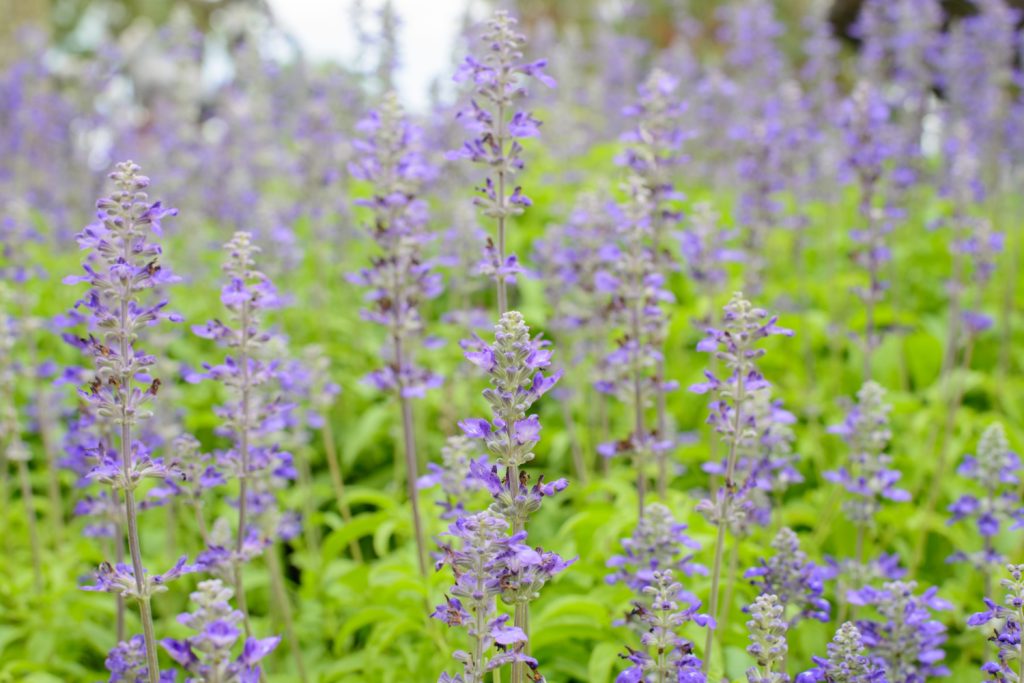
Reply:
x=122, y=266
x=735, y=347
x=497, y=126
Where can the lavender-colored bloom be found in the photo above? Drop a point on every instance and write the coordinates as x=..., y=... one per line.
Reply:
x=252, y=416
x=846, y=661
x=867, y=476
x=400, y=279
x=668, y=656
x=732, y=411
x=1006, y=631
x=797, y=582
x=995, y=470
x=516, y=364
x=456, y=475
x=767, y=628
x=121, y=580
x=659, y=543
x=121, y=267
x=497, y=127
x=487, y=556
x=127, y=663
x=653, y=153
x=207, y=656
x=906, y=640
x=864, y=121
x=704, y=248
x=634, y=370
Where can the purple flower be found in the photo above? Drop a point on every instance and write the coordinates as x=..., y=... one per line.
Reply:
x=994, y=469
x=457, y=474
x=659, y=543
x=867, y=476
x=488, y=563
x=767, y=628
x=793, y=579
x=127, y=663
x=208, y=655
x=668, y=609
x=845, y=663
x=906, y=641
x=497, y=126
x=1006, y=631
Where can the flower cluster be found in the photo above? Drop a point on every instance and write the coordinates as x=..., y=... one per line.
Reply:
x=797, y=582
x=995, y=469
x=767, y=627
x=732, y=413
x=516, y=364
x=657, y=545
x=668, y=656
x=846, y=661
x=487, y=559
x=633, y=370
x=906, y=641
x=704, y=249
x=867, y=476
x=456, y=475
x=399, y=279
x=1006, y=633
x=653, y=151
x=127, y=663
x=251, y=418
x=207, y=656
x=497, y=128
x=121, y=268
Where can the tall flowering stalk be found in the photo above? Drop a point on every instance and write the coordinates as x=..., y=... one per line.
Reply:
x=516, y=364
x=867, y=476
x=735, y=347
x=497, y=127
x=767, y=628
x=653, y=153
x=658, y=544
x=994, y=468
x=121, y=267
x=251, y=413
x=846, y=661
x=633, y=370
x=486, y=557
x=864, y=121
x=797, y=582
x=906, y=641
x=1007, y=629
x=669, y=657
x=399, y=279
x=14, y=449
x=207, y=656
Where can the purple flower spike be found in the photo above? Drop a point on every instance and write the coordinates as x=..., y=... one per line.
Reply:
x=671, y=656
x=867, y=476
x=797, y=582
x=399, y=279
x=994, y=469
x=906, y=641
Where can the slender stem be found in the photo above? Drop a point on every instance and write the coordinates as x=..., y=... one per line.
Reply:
x=201, y=522
x=502, y=292
x=578, y=463
x=662, y=430
x=338, y=482
x=131, y=518
x=730, y=585
x=730, y=471
x=284, y=604
x=243, y=473
x=411, y=469
x=638, y=409
x=53, y=479
x=935, y=489
x=310, y=529
x=30, y=521
x=119, y=558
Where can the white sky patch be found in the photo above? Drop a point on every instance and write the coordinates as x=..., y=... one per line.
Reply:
x=427, y=34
